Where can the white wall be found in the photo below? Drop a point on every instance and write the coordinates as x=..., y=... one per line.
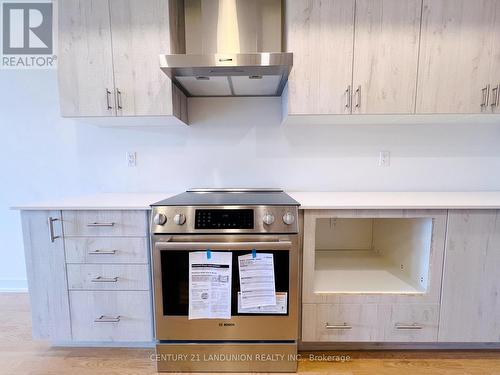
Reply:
x=232, y=142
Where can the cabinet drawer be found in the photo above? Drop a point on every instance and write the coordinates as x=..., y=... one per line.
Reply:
x=409, y=323
x=111, y=316
x=325, y=322
x=108, y=276
x=106, y=250
x=105, y=223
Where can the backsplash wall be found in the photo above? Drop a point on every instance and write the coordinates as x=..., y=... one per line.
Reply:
x=232, y=142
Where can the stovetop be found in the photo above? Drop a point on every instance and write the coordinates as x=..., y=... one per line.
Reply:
x=230, y=197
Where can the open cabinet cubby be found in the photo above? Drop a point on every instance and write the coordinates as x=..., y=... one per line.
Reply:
x=372, y=255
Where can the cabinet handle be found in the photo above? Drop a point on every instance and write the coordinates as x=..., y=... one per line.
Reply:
x=358, y=97
x=348, y=97
x=100, y=224
x=102, y=279
x=108, y=101
x=337, y=326
x=498, y=95
x=107, y=319
x=485, y=92
x=98, y=251
x=407, y=326
x=119, y=99
x=494, y=96
x=50, y=221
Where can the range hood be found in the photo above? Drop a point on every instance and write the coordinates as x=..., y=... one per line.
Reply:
x=232, y=48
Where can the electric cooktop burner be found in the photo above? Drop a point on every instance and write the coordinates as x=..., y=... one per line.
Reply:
x=230, y=197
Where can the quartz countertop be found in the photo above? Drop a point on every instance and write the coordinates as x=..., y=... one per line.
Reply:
x=102, y=201
x=397, y=200
x=308, y=200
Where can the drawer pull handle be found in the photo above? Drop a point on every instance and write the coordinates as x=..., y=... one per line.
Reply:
x=101, y=279
x=408, y=326
x=358, y=97
x=485, y=96
x=107, y=319
x=101, y=224
x=102, y=252
x=348, y=97
x=52, y=236
x=338, y=326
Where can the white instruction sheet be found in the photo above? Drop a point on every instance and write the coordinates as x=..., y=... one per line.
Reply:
x=257, y=285
x=210, y=285
x=279, y=308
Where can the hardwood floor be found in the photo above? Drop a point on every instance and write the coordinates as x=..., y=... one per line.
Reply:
x=20, y=355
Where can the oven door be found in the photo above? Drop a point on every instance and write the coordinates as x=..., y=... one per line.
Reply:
x=171, y=291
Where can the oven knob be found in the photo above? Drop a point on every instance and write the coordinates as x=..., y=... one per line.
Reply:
x=179, y=219
x=268, y=219
x=288, y=218
x=160, y=219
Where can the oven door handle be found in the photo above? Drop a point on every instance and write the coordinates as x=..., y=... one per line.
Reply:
x=260, y=245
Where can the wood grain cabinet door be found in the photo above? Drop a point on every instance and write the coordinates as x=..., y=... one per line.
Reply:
x=455, y=56
x=320, y=36
x=494, y=101
x=46, y=272
x=141, y=33
x=386, y=42
x=85, y=67
x=470, y=305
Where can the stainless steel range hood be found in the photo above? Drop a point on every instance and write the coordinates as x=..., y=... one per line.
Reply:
x=233, y=48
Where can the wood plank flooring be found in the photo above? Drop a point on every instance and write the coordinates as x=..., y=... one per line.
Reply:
x=20, y=355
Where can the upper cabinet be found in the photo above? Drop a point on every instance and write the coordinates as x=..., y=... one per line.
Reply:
x=140, y=35
x=353, y=56
x=456, y=66
x=393, y=57
x=85, y=67
x=385, y=56
x=320, y=35
x=495, y=64
x=109, y=64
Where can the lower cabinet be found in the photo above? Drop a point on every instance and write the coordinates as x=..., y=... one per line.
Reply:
x=456, y=301
x=324, y=322
x=89, y=275
x=46, y=273
x=372, y=275
x=108, y=276
x=370, y=323
x=111, y=316
x=470, y=305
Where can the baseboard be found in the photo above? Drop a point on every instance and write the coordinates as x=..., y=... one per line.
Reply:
x=374, y=346
x=12, y=285
x=99, y=344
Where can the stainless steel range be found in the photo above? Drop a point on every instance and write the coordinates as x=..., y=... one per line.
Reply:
x=240, y=221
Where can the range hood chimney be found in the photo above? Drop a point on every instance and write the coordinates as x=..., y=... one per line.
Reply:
x=233, y=48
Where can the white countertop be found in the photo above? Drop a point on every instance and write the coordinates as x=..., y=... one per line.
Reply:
x=308, y=200
x=102, y=201
x=397, y=200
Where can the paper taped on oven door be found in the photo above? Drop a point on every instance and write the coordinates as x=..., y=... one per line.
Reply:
x=257, y=285
x=210, y=285
x=279, y=308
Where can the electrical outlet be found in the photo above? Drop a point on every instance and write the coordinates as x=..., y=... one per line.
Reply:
x=131, y=158
x=384, y=159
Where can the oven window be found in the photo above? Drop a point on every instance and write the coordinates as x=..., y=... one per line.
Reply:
x=175, y=280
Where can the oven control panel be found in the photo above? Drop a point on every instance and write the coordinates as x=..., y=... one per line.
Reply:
x=224, y=219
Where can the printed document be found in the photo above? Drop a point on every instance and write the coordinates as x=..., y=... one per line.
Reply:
x=281, y=306
x=257, y=285
x=210, y=285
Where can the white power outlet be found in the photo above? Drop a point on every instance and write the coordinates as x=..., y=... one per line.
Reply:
x=384, y=159
x=131, y=158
